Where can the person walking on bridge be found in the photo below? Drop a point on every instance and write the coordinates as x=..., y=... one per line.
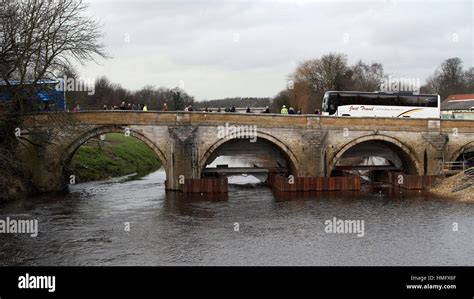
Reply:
x=284, y=110
x=76, y=108
x=165, y=107
x=145, y=107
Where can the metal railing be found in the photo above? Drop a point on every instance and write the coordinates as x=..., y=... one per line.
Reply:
x=454, y=167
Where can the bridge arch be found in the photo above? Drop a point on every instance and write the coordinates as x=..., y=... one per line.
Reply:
x=404, y=152
x=462, y=149
x=71, y=148
x=456, y=156
x=277, y=143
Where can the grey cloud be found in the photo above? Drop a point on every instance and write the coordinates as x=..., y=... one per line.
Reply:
x=194, y=40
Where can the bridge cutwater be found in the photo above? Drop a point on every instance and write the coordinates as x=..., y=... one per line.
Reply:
x=307, y=146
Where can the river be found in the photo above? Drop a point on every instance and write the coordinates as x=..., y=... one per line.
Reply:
x=252, y=225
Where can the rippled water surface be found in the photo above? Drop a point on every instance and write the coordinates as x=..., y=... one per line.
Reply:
x=87, y=227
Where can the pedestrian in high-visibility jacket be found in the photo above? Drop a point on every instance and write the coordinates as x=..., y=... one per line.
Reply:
x=284, y=110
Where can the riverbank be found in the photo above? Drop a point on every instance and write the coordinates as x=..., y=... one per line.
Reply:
x=117, y=155
x=13, y=187
x=459, y=186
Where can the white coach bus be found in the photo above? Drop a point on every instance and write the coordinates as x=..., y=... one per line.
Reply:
x=381, y=104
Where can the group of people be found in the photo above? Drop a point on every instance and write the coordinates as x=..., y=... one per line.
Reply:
x=144, y=107
x=227, y=109
x=76, y=108
x=290, y=110
x=127, y=106
x=284, y=110
x=233, y=109
x=267, y=110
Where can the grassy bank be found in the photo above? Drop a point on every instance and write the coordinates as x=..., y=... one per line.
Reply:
x=118, y=155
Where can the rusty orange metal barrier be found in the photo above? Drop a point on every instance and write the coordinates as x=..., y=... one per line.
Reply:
x=412, y=182
x=282, y=183
x=205, y=185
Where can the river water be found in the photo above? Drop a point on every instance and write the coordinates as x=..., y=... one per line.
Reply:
x=252, y=225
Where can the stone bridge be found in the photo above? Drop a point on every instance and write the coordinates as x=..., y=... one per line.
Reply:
x=188, y=141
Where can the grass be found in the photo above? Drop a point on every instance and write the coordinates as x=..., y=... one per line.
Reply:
x=118, y=155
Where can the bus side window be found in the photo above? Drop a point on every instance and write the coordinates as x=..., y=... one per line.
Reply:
x=385, y=100
x=411, y=101
x=333, y=102
x=342, y=99
x=357, y=99
x=348, y=99
x=396, y=101
x=421, y=102
x=428, y=101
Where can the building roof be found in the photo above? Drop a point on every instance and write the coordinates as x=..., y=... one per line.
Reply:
x=39, y=82
x=458, y=102
x=461, y=97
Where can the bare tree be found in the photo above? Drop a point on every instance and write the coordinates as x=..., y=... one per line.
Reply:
x=367, y=77
x=450, y=78
x=312, y=78
x=330, y=72
x=38, y=40
x=282, y=98
x=433, y=84
x=469, y=80
x=41, y=37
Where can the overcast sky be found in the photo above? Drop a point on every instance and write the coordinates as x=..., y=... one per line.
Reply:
x=217, y=49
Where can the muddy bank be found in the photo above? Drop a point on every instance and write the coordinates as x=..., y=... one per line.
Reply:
x=459, y=187
x=13, y=187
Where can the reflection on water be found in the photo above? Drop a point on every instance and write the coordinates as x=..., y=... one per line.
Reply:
x=245, y=160
x=86, y=227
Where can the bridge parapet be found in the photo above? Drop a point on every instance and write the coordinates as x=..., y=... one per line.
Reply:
x=263, y=119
